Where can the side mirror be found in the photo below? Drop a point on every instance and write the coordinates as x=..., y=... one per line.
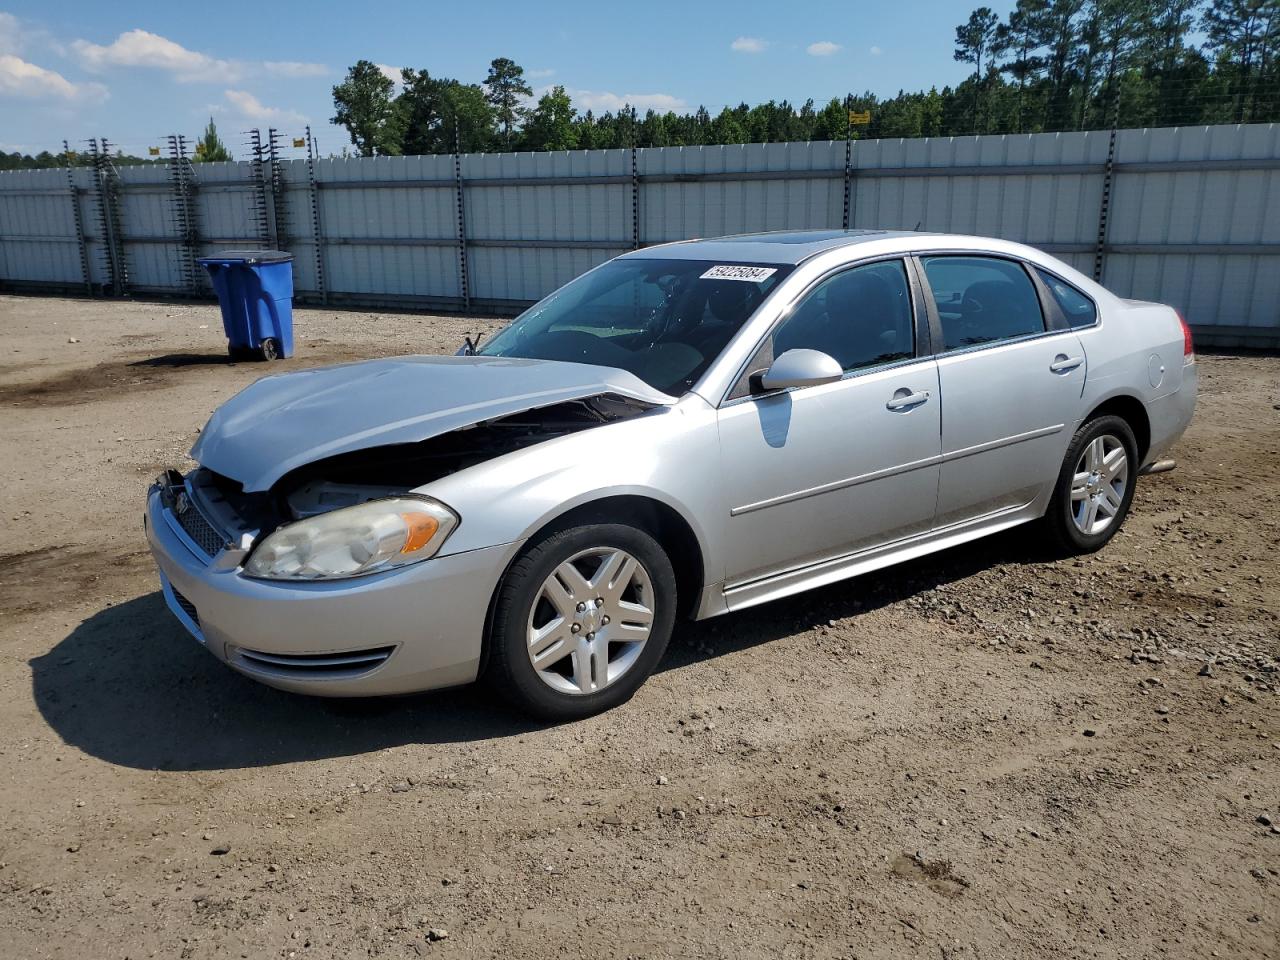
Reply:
x=797, y=368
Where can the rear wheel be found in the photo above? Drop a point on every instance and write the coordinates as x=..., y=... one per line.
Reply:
x=1095, y=486
x=581, y=620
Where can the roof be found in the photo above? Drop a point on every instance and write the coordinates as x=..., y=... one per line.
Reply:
x=792, y=246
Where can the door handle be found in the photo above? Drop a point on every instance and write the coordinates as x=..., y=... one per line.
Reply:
x=904, y=399
x=1064, y=364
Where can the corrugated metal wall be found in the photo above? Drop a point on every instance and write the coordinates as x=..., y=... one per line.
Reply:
x=1192, y=215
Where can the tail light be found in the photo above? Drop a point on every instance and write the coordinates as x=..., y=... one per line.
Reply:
x=1187, y=348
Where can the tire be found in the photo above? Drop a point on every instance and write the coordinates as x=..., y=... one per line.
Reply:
x=591, y=659
x=1067, y=519
x=268, y=349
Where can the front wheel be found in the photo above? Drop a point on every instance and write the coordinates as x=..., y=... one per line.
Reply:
x=1095, y=486
x=581, y=620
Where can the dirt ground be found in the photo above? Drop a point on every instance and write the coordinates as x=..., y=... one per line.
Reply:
x=988, y=753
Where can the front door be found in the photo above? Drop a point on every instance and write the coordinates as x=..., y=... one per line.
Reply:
x=811, y=474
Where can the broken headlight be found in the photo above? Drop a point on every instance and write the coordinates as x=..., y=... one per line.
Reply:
x=369, y=538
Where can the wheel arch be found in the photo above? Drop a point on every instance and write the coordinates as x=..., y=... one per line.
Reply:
x=1133, y=412
x=660, y=520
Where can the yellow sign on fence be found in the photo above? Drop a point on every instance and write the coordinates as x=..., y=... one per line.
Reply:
x=154, y=151
x=299, y=142
x=857, y=118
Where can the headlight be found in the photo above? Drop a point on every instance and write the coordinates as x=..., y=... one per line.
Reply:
x=369, y=538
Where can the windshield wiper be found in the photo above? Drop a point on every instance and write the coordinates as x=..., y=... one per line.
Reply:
x=469, y=346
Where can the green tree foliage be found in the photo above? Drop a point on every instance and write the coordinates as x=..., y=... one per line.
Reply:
x=362, y=103
x=506, y=90
x=44, y=159
x=439, y=115
x=1048, y=65
x=467, y=111
x=421, y=115
x=210, y=148
x=1243, y=34
x=974, y=40
x=550, y=125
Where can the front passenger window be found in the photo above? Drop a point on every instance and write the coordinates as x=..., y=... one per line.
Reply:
x=982, y=300
x=861, y=317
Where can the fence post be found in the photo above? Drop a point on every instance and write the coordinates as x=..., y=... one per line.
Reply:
x=279, y=222
x=1104, y=209
x=317, y=233
x=258, y=181
x=182, y=179
x=464, y=282
x=635, y=200
x=106, y=183
x=76, y=218
x=848, y=163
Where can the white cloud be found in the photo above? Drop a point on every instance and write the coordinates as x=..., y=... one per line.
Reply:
x=251, y=108
x=538, y=74
x=141, y=48
x=823, y=48
x=18, y=78
x=875, y=51
x=602, y=100
x=11, y=35
x=749, y=45
x=294, y=68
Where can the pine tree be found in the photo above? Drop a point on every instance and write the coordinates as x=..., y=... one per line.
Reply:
x=211, y=149
x=505, y=89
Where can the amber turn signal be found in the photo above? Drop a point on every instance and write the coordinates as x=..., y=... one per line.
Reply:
x=419, y=529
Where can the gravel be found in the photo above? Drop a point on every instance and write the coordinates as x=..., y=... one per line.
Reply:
x=829, y=735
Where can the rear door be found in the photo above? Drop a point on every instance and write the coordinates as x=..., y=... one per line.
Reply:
x=1011, y=387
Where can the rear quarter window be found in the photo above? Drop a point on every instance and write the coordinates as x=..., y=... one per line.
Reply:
x=1079, y=310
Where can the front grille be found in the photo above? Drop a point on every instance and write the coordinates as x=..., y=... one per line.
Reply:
x=187, y=606
x=332, y=666
x=200, y=530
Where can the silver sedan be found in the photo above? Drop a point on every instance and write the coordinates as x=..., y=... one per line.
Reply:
x=683, y=431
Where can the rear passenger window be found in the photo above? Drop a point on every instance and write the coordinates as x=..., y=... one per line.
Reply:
x=1078, y=309
x=982, y=300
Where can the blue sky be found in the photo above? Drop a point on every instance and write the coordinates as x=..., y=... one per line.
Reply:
x=134, y=71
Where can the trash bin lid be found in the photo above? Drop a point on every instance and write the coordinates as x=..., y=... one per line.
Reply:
x=252, y=256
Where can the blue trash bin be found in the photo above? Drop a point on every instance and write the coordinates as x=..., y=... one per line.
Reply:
x=255, y=292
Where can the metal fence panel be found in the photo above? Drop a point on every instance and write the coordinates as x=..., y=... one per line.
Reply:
x=37, y=230
x=150, y=236
x=529, y=237
x=225, y=207
x=1233, y=216
x=691, y=191
x=394, y=239
x=1193, y=215
x=1053, y=208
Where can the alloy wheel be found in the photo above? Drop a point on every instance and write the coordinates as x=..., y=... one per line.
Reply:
x=590, y=620
x=1099, y=484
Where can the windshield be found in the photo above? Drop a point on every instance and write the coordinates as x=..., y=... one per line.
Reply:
x=662, y=320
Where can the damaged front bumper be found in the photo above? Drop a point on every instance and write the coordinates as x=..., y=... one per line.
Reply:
x=416, y=628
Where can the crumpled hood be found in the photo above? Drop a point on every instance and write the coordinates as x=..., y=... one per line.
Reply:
x=286, y=421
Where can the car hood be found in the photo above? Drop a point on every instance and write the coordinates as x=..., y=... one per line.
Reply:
x=283, y=422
